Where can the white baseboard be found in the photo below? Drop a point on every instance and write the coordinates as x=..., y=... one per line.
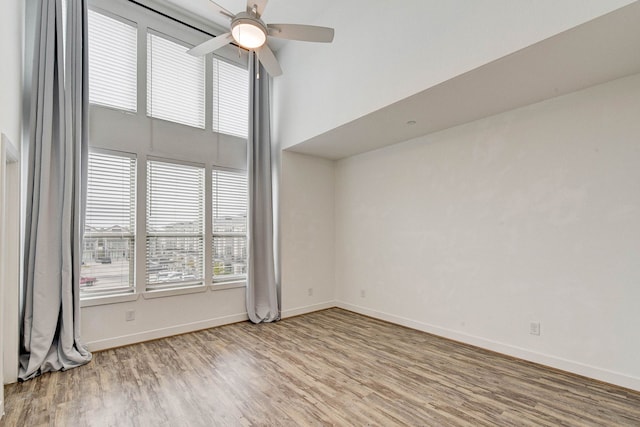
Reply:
x=596, y=373
x=307, y=309
x=164, y=332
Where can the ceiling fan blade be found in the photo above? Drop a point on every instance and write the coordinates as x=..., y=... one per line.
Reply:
x=269, y=61
x=258, y=4
x=211, y=45
x=217, y=9
x=307, y=33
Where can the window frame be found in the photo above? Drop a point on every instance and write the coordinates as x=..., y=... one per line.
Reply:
x=148, y=138
x=136, y=27
x=238, y=277
x=151, y=32
x=131, y=290
x=199, y=282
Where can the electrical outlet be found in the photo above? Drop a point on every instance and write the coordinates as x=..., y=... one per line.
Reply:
x=310, y=292
x=534, y=328
x=363, y=293
x=130, y=315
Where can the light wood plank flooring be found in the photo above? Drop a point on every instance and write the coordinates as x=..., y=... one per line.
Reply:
x=327, y=368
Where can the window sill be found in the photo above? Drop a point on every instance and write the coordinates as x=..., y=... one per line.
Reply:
x=107, y=299
x=161, y=293
x=228, y=285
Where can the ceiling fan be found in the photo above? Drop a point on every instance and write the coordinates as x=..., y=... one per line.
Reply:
x=250, y=32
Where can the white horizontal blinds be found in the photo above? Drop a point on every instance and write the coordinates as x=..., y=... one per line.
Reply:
x=175, y=224
x=108, y=248
x=229, y=225
x=175, y=83
x=112, y=62
x=230, y=99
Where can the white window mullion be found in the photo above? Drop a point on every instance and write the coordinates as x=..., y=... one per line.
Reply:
x=141, y=226
x=208, y=227
x=208, y=94
x=142, y=71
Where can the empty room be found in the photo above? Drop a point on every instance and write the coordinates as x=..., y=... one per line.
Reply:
x=298, y=212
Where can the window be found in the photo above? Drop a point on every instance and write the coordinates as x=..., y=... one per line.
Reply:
x=175, y=225
x=109, y=238
x=112, y=62
x=230, y=99
x=175, y=83
x=229, y=225
x=189, y=197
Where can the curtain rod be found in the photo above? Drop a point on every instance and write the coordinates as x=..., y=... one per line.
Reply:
x=173, y=18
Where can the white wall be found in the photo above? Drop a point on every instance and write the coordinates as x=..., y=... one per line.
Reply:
x=307, y=233
x=11, y=21
x=11, y=70
x=104, y=326
x=531, y=215
x=385, y=51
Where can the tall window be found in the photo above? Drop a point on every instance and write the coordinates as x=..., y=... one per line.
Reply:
x=175, y=82
x=113, y=61
x=175, y=224
x=108, y=253
x=183, y=168
x=229, y=225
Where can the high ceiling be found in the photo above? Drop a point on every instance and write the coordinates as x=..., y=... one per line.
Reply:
x=598, y=51
x=277, y=11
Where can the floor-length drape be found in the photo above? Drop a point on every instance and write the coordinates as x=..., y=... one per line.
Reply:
x=262, y=292
x=57, y=145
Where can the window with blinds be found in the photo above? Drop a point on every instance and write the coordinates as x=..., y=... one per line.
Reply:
x=229, y=225
x=175, y=83
x=230, y=99
x=175, y=225
x=112, y=62
x=186, y=245
x=109, y=236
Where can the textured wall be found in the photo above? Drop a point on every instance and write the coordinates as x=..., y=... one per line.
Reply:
x=307, y=233
x=531, y=215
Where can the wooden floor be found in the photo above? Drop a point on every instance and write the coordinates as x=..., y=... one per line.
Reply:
x=326, y=368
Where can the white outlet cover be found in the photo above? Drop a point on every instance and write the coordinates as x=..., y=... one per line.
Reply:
x=534, y=328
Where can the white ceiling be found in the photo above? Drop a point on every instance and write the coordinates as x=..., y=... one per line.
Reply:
x=595, y=52
x=598, y=51
x=276, y=11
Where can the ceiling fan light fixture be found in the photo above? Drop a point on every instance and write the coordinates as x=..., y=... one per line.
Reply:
x=248, y=32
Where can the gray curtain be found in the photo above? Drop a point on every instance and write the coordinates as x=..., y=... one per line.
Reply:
x=262, y=287
x=57, y=146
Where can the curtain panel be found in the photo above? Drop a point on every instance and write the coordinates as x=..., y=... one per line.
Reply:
x=262, y=286
x=56, y=177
